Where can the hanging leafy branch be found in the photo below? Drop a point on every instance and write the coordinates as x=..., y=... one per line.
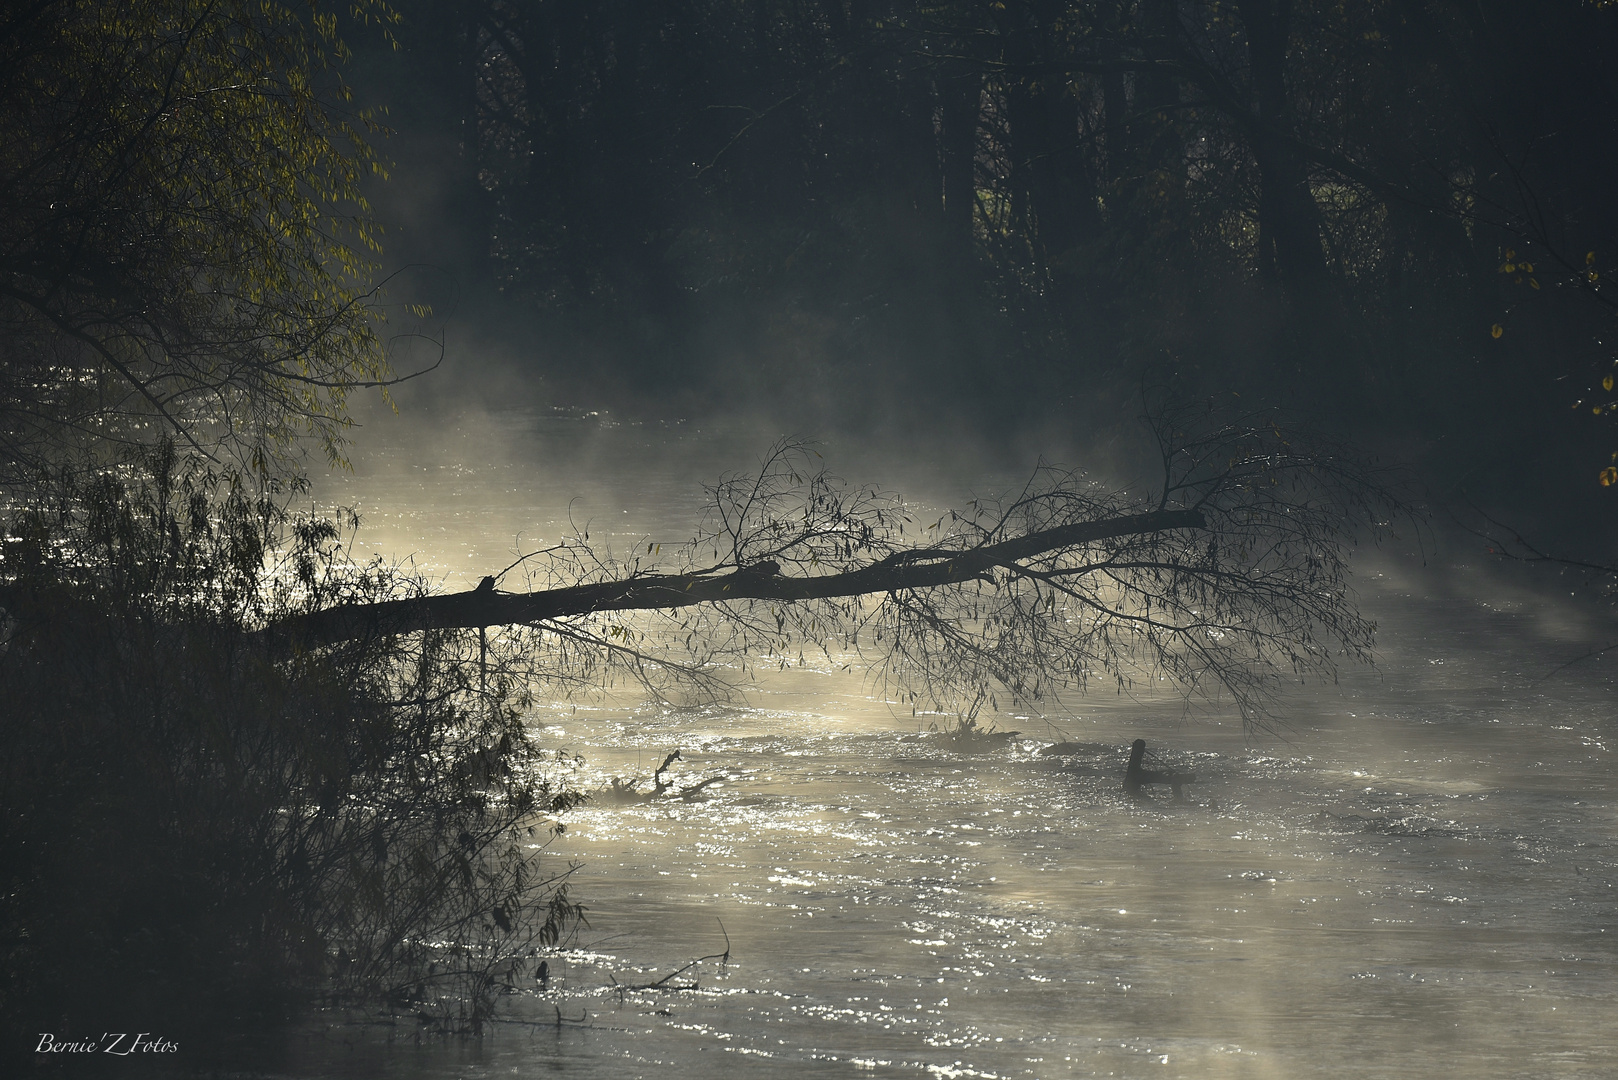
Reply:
x=185, y=249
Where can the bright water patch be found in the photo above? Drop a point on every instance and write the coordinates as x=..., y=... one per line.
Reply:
x=1418, y=880
x=1387, y=894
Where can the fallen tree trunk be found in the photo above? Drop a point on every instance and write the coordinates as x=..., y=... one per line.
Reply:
x=918, y=568
x=1230, y=580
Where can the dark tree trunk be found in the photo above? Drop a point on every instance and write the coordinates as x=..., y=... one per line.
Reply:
x=906, y=570
x=1155, y=88
x=1060, y=189
x=958, y=98
x=1289, y=219
x=1115, y=113
x=1053, y=187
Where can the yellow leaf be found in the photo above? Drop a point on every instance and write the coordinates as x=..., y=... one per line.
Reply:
x=1596, y=410
x=1510, y=254
x=1496, y=330
x=1508, y=268
x=1609, y=476
x=1593, y=276
x=1606, y=384
x=1528, y=268
x=1534, y=282
x=1589, y=257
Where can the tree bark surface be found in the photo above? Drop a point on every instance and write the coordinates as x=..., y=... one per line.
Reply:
x=920, y=568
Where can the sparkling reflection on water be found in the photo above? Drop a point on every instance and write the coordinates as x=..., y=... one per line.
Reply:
x=1418, y=879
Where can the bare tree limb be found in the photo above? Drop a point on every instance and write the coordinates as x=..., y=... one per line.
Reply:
x=1229, y=581
x=900, y=571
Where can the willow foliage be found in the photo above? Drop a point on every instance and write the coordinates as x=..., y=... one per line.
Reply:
x=209, y=828
x=185, y=251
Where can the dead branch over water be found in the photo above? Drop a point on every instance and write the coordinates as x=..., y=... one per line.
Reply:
x=907, y=570
x=1228, y=576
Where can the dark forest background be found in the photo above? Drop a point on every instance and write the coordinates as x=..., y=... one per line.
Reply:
x=1377, y=223
x=1390, y=216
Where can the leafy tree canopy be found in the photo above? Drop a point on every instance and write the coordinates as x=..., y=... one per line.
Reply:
x=185, y=251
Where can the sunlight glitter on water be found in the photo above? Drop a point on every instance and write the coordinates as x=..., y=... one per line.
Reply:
x=1012, y=907
x=1418, y=880
x=913, y=911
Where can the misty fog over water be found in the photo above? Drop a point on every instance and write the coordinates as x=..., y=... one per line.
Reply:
x=579, y=723
x=1413, y=875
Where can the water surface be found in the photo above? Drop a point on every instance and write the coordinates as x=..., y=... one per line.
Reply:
x=1415, y=877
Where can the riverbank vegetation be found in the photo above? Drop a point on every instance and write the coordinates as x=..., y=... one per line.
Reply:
x=193, y=823
x=244, y=768
x=193, y=827
x=244, y=771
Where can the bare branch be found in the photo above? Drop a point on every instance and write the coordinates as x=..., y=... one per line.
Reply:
x=1230, y=580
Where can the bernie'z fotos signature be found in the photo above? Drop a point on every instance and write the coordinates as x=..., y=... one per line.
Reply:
x=118, y=1043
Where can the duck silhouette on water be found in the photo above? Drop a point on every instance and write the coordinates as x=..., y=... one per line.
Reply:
x=1138, y=776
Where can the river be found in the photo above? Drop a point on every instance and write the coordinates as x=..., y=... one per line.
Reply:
x=1413, y=876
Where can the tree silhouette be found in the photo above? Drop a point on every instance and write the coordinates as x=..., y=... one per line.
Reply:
x=1229, y=577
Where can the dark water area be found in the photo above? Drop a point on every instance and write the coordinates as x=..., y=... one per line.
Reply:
x=1414, y=874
